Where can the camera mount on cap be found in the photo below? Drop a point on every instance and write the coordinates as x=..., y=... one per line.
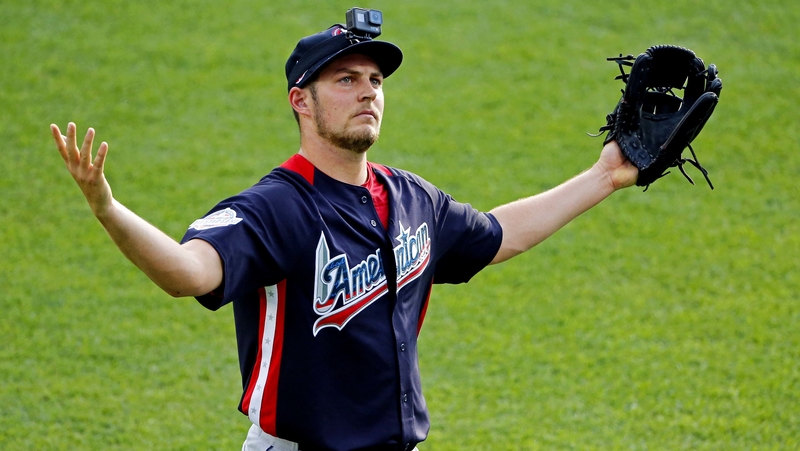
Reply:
x=363, y=23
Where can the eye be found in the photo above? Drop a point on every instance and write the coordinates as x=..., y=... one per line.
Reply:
x=376, y=82
x=347, y=80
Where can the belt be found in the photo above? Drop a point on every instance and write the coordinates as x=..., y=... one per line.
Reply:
x=258, y=440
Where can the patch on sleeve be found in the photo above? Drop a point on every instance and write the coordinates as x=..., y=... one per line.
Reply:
x=220, y=218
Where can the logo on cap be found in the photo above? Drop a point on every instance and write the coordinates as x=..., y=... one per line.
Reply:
x=337, y=31
x=301, y=78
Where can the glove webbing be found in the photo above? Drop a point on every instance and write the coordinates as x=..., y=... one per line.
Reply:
x=611, y=118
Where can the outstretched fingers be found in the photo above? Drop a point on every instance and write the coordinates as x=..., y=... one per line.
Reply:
x=61, y=142
x=79, y=160
x=86, y=148
x=87, y=171
x=100, y=159
x=68, y=147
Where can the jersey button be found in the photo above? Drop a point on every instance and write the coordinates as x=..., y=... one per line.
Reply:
x=405, y=397
x=402, y=347
x=374, y=224
x=363, y=199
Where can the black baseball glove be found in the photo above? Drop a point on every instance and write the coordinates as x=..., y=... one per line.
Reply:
x=651, y=123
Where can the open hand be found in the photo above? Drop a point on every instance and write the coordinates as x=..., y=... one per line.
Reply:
x=88, y=173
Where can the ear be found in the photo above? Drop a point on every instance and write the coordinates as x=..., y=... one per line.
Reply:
x=300, y=99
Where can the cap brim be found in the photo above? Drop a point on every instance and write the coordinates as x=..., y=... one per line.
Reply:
x=387, y=56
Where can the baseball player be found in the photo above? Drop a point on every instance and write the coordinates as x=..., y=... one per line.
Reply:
x=329, y=260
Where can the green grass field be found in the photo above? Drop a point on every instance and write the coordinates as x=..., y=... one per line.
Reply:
x=657, y=321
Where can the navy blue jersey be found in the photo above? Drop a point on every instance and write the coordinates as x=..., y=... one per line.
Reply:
x=328, y=304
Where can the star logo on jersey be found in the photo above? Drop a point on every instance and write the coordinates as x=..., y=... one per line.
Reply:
x=412, y=254
x=343, y=291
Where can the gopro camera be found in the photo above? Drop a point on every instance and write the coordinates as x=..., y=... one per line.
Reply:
x=364, y=22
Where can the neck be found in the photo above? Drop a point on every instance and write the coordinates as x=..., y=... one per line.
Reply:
x=340, y=164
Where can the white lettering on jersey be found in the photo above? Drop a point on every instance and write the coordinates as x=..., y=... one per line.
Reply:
x=412, y=254
x=342, y=292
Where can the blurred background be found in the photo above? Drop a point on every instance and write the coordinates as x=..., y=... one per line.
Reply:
x=661, y=320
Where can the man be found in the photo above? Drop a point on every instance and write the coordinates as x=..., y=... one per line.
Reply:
x=330, y=259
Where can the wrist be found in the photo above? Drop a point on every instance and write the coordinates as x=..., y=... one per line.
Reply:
x=105, y=211
x=603, y=178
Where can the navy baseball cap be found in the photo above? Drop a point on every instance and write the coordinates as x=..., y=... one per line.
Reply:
x=313, y=52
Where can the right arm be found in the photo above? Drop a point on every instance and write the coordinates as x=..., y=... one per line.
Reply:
x=191, y=269
x=527, y=222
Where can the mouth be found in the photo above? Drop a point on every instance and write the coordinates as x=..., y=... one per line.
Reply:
x=367, y=113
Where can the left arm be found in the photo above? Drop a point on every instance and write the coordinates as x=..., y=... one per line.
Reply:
x=529, y=221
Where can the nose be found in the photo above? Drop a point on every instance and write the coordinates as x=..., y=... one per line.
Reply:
x=368, y=94
x=368, y=91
